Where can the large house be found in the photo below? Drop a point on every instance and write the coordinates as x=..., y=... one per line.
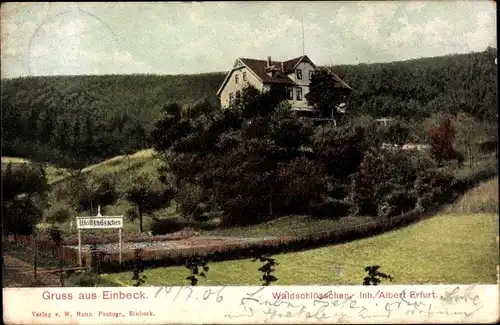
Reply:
x=294, y=74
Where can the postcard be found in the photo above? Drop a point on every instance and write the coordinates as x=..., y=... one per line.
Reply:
x=249, y=162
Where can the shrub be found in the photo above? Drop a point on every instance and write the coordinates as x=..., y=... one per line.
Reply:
x=434, y=187
x=86, y=280
x=374, y=275
x=165, y=226
x=192, y=201
x=330, y=208
x=267, y=269
x=341, y=149
x=197, y=266
x=137, y=273
x=384, y=184
x=61, y=215
x=396, y=202
x=301, y=181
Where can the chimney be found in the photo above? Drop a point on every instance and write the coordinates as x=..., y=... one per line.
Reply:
x=268, y=61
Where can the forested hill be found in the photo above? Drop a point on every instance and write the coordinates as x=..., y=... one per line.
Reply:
x=90, y=118
x=416, y=88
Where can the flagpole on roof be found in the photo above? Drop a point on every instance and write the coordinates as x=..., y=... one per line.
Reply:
x=303, y=41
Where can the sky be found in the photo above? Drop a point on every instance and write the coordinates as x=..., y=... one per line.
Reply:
x=195, y=37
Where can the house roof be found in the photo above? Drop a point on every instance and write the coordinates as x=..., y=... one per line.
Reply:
x=338, y=82
x=259, y=68
x=283, y=68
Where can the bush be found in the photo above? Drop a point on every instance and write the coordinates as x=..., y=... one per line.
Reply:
x=301, y=181
x=85, y=280
x=396, y=202
x=207, y=216
x=165, y=226
x=61, y=215
x=330, y=208
x=385, y=183
x=192, y=202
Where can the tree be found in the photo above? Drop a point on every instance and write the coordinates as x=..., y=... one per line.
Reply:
x=441, y=140
x=397, y=132
x=147, y=193
x=168, y=129
x=324, y=94
x=301, y=182
x=287, y=130
x=87, y=191
x=342, y=148
x=253, y=103
x=470, y=134
x=23, y=198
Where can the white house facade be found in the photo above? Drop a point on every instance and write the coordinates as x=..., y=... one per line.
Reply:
x=294, y=74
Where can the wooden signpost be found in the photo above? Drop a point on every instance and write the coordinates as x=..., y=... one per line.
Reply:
x=99, y=222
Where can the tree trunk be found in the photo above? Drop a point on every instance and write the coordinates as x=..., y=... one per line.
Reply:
x=215, y=198
x=141, y=227
x=271, y=202
x=469, y=157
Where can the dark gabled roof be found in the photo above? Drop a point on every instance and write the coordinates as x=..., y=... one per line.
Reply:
x=283, y=68
x=289, y=65
x=259, y=68
x=339, y=83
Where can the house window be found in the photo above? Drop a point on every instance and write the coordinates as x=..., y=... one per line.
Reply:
x=238, y=94
x=244, y=76
x=231, y=98
x=290, y=92
x=298, y=72
x=311, y=72
x=236, y=79
x=299, y=93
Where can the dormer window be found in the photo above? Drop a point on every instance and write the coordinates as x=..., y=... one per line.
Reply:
x=311, y=72
x=236, y=78
x=244, y=76
x=298, y=72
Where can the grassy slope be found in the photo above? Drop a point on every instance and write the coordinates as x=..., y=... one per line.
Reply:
x=449, y=248
x=483, y=198
x=119, y=164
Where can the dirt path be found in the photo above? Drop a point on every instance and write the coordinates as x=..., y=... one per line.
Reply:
x=17, y=273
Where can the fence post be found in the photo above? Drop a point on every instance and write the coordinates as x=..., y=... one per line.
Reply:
x=34, y=258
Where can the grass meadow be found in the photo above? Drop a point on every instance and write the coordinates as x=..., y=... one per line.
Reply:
x=447, y=248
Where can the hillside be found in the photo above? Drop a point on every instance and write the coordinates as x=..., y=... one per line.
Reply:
x=119, y=165
x=86, y=119
x=415, y=88
x=448, y=248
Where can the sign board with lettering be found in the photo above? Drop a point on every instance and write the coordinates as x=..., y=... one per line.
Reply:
x=103, y=222
x=99, y=222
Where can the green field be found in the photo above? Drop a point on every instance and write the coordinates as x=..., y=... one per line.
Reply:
x=445, y=249
x=144, y=160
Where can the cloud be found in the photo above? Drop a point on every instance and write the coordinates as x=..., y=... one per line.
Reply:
x=208, y=36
